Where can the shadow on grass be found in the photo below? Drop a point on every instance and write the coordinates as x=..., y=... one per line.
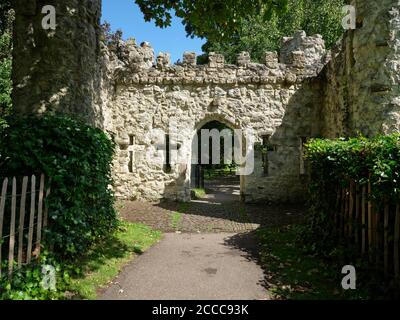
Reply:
x=112, y=248
x=289, y=272
x=105, y=260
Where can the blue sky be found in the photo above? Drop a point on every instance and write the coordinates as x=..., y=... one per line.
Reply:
x=126, y=15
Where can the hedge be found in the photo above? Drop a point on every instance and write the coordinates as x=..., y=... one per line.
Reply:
x=77, y=158
x=334, y=163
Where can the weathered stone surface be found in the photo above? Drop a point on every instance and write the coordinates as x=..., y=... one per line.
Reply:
x=189, y=58
x=163, y=60
x=362, y=78
x=268, y=97
x=123, y=89
x=243, y=59
x=216, y=60
x=312, y=47
x=58, y=70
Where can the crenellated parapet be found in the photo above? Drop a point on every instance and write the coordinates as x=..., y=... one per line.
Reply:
x=300, y=57
x=301, y=50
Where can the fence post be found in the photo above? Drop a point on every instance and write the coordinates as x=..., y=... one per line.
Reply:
x=22, y=221
x=337, y=208
x=363, y=220
x=369, y=221
x=16, y=223
x=31, y=218
x=396, y=244
x=12, y=227
x=2, y=206
x=342, y=212
x=39, y=218
x=377, y=236
x=346, y=212
x=46, y=209
x=357, y=219
x=351, y=209
x=386, y=238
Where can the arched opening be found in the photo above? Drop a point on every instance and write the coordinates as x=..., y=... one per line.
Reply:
x=214, y=171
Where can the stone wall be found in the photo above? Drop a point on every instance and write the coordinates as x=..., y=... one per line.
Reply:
x=276, y=98
x=301, y=92
x=58, y=70
x=361, y=81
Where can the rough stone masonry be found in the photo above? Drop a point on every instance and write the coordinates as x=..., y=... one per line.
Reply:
x=304, y=91
x=275, y=99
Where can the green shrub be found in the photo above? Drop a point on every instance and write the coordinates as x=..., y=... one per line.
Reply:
x=6, y=19
x=77, y=158
x=334, y=165
x=27, y=282
x=336, y=162
x=5, y=78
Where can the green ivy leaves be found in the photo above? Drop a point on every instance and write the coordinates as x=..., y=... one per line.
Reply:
x=77, y=158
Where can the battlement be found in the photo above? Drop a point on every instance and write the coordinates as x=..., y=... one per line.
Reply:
x=300, y=57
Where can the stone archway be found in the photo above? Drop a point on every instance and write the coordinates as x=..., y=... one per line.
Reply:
x=127, y=93
x=71, y=71
x=226, y=178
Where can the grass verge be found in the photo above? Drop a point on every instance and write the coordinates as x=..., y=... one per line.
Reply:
x=293, y=274
x=198, y=193
x=175, y=220
x=104, y=262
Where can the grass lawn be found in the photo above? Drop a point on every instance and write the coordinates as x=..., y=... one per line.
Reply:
x=210, y=173
x=292, y=274
x=104, y=262
x=198, y=193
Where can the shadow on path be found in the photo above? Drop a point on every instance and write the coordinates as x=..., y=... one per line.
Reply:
x=219, y=211
x=215, y=235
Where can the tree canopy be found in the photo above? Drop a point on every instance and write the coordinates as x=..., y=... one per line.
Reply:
x=257, y=35
x=211, y=19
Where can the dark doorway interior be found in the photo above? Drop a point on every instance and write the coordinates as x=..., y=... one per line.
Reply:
x=213, y=181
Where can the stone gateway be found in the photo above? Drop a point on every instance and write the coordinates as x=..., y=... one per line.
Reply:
x=304, y=91
x=275, y=99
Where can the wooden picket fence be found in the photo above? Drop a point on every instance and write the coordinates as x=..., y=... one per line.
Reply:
x=374, y=229
x=14, y=212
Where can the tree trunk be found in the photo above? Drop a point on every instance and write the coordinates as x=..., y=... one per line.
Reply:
x=57, y=70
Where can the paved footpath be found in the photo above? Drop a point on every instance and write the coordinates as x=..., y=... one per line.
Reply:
x=190, y=266
x=214, y=255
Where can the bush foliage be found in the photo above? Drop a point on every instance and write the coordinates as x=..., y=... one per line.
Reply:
x=27, y=282
x=77, y=158
x=6, y=18
x=335, y=162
